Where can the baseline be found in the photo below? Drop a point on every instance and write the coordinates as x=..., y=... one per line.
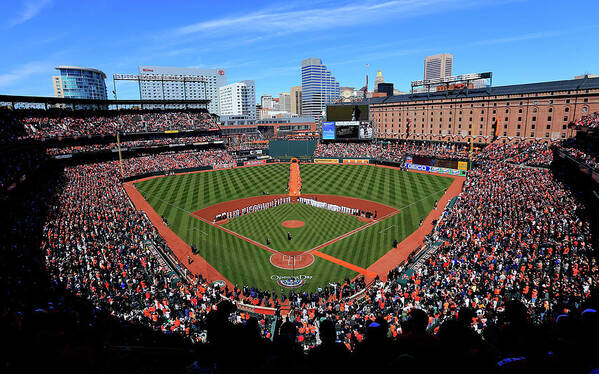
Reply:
x=178, y=246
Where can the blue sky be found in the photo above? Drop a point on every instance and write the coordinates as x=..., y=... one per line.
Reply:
x=519, y=41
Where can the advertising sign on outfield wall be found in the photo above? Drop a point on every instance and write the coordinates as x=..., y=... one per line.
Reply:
x=418, y=167
x=254, y=162
x=354, y=161
x=436, y=169
x=326, y=160
x=462, y=165
x=223, y=166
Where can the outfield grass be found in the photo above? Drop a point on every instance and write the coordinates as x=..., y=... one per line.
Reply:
x=320, y=226
x=413, y=194
x=176, y=197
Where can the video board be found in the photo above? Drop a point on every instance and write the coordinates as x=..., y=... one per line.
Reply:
x=347, y=130
x=347, y=113
x=328, y=130
x=429, y=161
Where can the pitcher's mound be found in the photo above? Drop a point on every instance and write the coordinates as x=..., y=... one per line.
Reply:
x=292, y=224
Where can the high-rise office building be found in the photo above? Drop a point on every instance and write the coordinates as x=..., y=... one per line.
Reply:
x=80, y=83
x=438, y=66
x=296, y=100
x=238, y=99
x=378, y=79
x=183, y=89
x=285, y=101
x=266, y=101
x=319, y=87
x=387, y=88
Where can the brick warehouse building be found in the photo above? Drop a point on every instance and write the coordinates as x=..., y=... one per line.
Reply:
x=525, y=112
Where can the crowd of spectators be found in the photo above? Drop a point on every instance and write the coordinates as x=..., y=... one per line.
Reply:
x=17, y=164
x=531, y=154
x=511, y=287
x=246, y=142
x=10, y=128
x=590, y=121
x=588, y=155
x=99, y=249
x=176, y=160
x=148, y=142
x=42, y=124
x=393, y=151
x=247, y=146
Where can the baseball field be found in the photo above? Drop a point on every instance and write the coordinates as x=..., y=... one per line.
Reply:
x=342, y=245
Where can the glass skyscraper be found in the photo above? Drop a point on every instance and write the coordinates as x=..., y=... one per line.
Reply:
x=438, y=66
x=80, y=83
x=319, y=87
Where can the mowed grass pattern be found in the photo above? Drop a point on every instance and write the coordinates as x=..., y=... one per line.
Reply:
x=414, y=194
x=320, y=226
x=176, y=197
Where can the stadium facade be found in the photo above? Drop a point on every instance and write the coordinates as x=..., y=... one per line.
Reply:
x=183, y=90
x=319, y=87
x=79, y=83
x=522, y=112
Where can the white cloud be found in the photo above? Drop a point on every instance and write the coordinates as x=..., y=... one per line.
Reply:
x=25, y=71
x=31, y=9
x=279, y=21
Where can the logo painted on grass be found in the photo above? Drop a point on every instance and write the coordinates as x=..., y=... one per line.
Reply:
x=290, y=281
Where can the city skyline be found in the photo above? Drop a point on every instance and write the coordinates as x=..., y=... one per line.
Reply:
x=267, y=43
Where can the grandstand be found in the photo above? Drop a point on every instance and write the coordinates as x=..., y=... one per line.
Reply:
x=505, y=278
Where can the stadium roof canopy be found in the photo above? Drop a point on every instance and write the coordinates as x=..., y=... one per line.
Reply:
x=516, y=89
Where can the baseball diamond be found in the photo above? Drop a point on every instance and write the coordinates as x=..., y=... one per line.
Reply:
x=248, y=248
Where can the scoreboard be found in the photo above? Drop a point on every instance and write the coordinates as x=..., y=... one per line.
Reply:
x=349, y=130
x=435, y=162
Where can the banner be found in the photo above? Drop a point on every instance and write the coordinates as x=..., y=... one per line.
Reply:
x=436, y=169
x=254, y=162
x=326, y=160
x=355, y=161
x=223, y=166
x=462, y=165
x=420, y=167
x=171, y=131
x=255, y=309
